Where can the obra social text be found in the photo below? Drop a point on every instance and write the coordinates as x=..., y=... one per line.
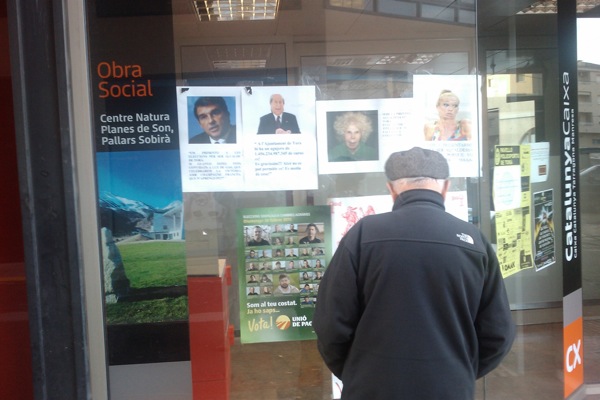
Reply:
x=122, y=81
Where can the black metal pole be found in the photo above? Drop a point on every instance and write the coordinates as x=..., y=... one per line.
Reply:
x=48, y=198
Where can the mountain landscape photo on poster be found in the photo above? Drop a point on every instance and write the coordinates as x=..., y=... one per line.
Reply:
x=143, y=248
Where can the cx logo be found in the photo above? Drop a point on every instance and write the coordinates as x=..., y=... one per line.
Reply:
x=573, y=356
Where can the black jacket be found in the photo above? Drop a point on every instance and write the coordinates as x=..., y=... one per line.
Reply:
x=413, y=305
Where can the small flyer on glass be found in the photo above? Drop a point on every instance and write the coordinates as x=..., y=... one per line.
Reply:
x=357, y=136
x=544, y=238
x=512, y=198
x=446, y=119
x=347, y=211
x=283, y=255
x=211, y=150
x=279, y=138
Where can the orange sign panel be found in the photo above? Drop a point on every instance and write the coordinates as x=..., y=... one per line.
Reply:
x=573, y=356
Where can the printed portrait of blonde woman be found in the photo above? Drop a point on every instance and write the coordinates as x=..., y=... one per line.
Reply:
x=447, y=127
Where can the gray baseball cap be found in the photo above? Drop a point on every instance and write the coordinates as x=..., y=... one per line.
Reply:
x=416, y=163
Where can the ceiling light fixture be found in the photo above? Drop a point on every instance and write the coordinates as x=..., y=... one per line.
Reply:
x=235, y=10
x=239, y=64
x=549, y=7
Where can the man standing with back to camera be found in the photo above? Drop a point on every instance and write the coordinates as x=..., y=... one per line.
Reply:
x=413, y=305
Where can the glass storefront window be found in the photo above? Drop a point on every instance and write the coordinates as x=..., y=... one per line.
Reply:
x=196, y=237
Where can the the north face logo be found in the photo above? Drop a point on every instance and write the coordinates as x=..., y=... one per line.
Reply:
x=465, y=238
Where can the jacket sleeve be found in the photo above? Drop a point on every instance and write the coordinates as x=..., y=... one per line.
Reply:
x=337, y=311
x=494, y=324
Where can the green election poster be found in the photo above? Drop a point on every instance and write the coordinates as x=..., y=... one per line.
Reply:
x=284, y=254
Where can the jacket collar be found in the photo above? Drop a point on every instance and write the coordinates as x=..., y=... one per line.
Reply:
x=419, y=196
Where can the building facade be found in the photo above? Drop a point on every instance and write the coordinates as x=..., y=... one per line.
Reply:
x=114, y=111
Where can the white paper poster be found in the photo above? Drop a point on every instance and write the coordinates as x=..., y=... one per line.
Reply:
x=280, y=153
x=540, y=161
x=229, y=143
x=446, y=119
x=347, y=211
x=356, y=136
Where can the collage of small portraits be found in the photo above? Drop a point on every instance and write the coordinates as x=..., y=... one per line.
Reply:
x=285, y=259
